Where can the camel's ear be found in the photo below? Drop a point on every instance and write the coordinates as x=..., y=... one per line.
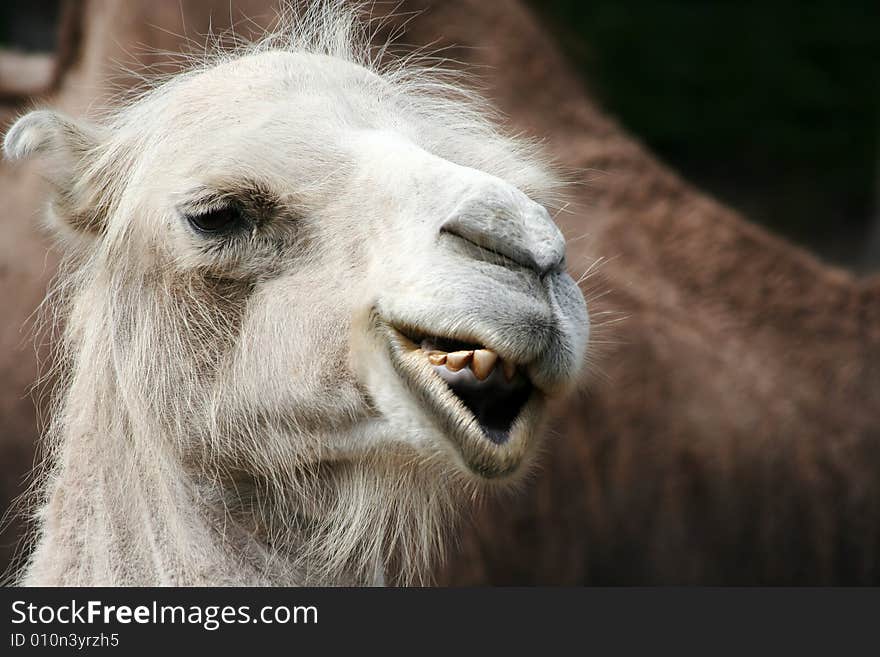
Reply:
x=68, y=148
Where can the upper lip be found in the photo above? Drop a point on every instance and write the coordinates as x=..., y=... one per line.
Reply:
x=481, y=400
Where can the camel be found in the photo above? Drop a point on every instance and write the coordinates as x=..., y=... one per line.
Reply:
x=728, y=431
x=312, y=305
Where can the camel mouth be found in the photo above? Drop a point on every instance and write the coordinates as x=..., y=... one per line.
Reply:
x=484, y=403
x=494, y=390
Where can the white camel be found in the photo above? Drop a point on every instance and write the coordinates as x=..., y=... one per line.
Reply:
x=312, y=306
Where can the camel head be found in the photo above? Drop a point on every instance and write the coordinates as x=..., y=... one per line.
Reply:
x=288, y=260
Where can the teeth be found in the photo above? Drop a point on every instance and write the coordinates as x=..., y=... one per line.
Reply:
x=458, y=359
x=483, y=363
x=509, y=369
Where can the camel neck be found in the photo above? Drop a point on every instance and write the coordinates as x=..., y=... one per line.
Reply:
x=119, y=514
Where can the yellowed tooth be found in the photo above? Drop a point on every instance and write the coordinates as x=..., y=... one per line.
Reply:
x=509, y=369
x=437, y=357
x=483, y=363
x=458, y=359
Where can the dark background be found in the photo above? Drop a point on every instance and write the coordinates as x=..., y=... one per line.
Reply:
x=773, y=107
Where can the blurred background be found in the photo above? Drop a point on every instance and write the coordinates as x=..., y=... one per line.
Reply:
x=774, y=107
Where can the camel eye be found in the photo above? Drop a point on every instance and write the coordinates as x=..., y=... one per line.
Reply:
x=220, y=220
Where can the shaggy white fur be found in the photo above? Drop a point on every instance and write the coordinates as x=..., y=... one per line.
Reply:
x=241, y=406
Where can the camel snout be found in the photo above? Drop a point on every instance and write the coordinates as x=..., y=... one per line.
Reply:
x=507, y=223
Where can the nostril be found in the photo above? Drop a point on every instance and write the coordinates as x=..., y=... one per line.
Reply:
x=558, y=267
x=548, y=249
x=489, y=251
x=517, y=229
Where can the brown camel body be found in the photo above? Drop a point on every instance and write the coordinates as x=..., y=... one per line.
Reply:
x=728, y=428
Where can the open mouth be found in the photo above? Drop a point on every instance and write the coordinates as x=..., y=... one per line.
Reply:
x=492, y=389
x=485, y=404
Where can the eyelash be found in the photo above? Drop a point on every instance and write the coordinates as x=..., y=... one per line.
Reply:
x=217, y=221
